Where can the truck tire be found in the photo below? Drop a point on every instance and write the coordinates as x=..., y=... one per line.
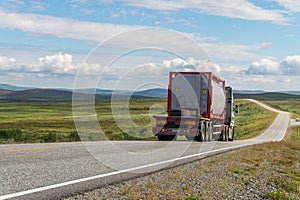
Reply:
x=201, y=135
x=210, y=131
x=226, y=134
x=231, y=133
x=166, y=137
x=161, y=137
x=221, y=136
x=190, y=137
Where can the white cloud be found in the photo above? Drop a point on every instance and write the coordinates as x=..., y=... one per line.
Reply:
x=81, y=30
x=4, y=60
x=7, y=63
x=290, y=35
x=231, y=52
x=263, y=66
x=119, y=13
x=87, y=11
x=17, y=5
x=289, y=66
x=191, y=64
x=38, y=5
x=63, y=64
x=265, y=45
x=292, y=5
x=242, y=9
x=160, y=70
x=58, y=63
x=60, y=27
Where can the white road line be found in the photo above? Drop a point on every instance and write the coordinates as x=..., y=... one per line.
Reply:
x=17, y=194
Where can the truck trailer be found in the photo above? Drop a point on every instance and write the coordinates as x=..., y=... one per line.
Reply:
x=200, y=108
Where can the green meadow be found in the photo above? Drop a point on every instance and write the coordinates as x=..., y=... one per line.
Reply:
x=251, y=119
x=291, y=106
x=23, y=122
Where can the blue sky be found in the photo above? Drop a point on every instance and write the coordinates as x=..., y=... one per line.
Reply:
x=252, y=44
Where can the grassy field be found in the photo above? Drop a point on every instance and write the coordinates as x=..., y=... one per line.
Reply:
x=292, y=106
x=53, y=121
x=251, y=119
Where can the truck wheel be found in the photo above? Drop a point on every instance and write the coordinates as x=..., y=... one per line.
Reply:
x=226, y=133
x=203, y=132
x=209, y=131
x=221, y=136
x=166, y=137
x=190, y=137
x=200, y=137
x=206, y=129
x=172, y=137
x=161, y=137
x=231, y=133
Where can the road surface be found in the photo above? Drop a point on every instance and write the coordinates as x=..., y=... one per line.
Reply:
x=52, y=171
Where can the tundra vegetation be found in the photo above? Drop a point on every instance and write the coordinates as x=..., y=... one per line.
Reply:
x=48, y=121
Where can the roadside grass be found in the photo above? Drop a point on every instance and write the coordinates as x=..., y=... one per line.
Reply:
x=291, y=106
x=251, y=120
x=277, y=162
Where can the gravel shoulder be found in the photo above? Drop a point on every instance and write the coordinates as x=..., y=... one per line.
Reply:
x=265, y=171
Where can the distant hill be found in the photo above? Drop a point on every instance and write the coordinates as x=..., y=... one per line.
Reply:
x=292, y=92
x=38, y=95
x=15, y=93
x=13, y=87
x=59, y=95
x=266, y=96
x=154, y=93
x=150, y=93
x=249, y=91
x=5, y=92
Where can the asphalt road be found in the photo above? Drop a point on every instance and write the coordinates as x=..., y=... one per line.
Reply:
x=52, y=171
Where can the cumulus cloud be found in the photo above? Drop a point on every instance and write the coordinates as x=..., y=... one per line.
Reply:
x=176, y=64
x=4, y=60
x=7, y=63
x=59, y=63
x=191, y=64
x=263, y=66
x=63, y=64
x=289, y=66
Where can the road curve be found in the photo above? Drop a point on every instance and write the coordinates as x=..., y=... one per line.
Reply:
x=52, y=171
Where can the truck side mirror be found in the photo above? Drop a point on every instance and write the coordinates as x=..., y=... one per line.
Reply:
x=236, y=109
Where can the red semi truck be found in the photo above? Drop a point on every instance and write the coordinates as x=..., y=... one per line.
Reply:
x=200, y=108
